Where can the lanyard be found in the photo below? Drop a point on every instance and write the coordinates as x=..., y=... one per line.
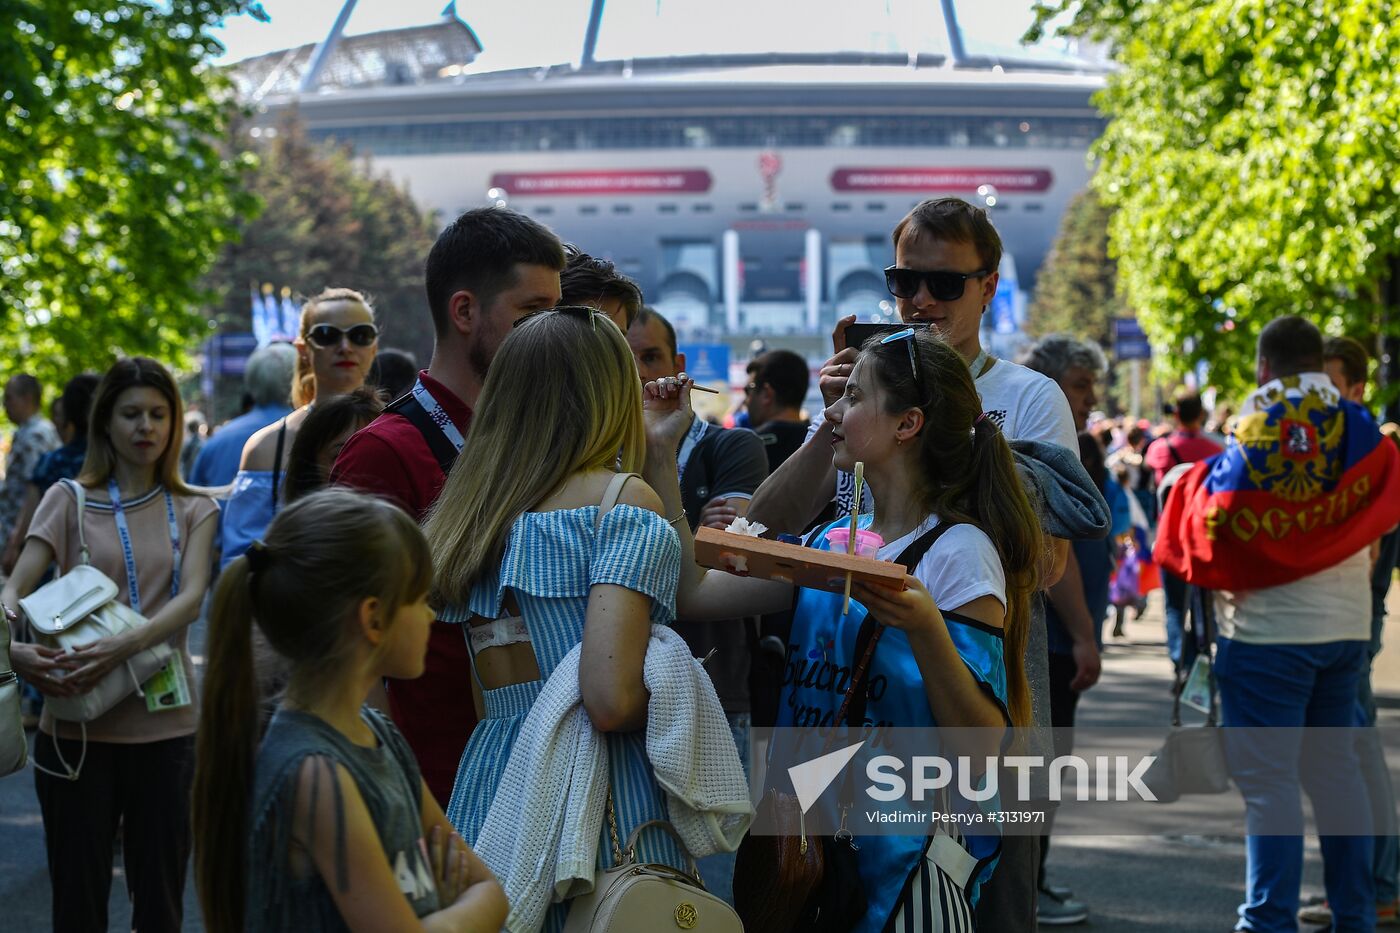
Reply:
x=698, y=427
x=438, y=415
x=129, y=553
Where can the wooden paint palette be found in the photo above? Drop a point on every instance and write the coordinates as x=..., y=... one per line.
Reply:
x=791, y=563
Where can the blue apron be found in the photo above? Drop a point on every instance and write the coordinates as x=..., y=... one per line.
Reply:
x=821, y=650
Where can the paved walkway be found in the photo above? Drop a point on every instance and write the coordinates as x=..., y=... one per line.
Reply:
x=1164, y=883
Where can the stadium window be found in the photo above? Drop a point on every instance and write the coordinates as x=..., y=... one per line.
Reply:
x=794, y=206
x=622, y=209
x=543, y=210
x=714, y=131
x=874, y=205
x=666, y=208
x=1034, y=207
x=840, y=206
x=748, y=207
x=588, y=210
x=702, y=208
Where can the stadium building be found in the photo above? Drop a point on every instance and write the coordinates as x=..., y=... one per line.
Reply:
x=748, y=184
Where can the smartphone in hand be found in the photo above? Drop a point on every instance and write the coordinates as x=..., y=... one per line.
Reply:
x=858, y=334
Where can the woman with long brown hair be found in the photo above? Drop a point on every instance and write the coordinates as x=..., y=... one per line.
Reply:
x=335, y=345
x=326, y=823
x=950, y=506
x=132, y=766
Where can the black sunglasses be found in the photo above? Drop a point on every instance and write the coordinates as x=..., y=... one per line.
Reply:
x=942, y=285
x=328, y=335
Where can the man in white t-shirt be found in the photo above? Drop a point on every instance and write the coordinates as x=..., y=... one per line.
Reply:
x=1291, y=656
x=945, y=273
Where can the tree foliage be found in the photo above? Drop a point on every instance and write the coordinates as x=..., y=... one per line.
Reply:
x=114, y=192
x=1252, y=154
x=327, y=221
x=1076, y=291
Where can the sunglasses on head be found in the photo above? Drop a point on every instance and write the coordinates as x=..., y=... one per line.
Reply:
x=907, y=337
x=942, y=285
x=328, y=335
x=581, y=312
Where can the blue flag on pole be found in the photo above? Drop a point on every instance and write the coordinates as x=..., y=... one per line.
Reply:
x=289, y=325
x=262, y=325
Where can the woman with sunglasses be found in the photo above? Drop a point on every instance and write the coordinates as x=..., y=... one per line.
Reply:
x=335, y=346
x=950, y=507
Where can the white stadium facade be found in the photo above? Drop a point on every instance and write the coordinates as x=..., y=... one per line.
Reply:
x=747, y=186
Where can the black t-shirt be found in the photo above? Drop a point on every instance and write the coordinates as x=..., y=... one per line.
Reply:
x=723, y=463
x=781, y=440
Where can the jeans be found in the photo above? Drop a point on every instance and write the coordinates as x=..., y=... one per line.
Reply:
x=1386, y=866
x=1063, y=702
x=1290, y=687
x=1181, y=641
x=717, y=871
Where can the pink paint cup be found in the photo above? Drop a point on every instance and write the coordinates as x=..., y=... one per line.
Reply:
x=868, y=543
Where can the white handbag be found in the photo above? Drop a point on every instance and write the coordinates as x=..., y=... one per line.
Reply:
x=78, y=609
x=14, y=749
x=648, y=898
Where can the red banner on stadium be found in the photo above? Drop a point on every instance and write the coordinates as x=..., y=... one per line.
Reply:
x=940, y=179
x=679, y=181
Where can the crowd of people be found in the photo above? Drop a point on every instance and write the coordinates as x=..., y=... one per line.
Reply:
x=460, y=648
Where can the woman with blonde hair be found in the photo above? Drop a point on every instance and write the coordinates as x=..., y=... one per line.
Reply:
x=335, y=345
x=132, y=766
x=545, y=540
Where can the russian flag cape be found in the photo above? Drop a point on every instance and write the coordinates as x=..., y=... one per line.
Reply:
x=1306, y=481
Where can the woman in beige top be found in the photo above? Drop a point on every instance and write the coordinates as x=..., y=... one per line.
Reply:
x=153, y=536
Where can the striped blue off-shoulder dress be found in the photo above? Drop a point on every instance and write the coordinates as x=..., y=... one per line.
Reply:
x=550, y=562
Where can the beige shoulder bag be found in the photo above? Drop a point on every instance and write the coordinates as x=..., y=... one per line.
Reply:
x=632, y=897
x=14, y=749
x=78, y=609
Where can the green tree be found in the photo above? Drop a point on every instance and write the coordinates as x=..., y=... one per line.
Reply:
x=1251, y=154
x=114, y=192
x=1076, y=291
x=327, y=221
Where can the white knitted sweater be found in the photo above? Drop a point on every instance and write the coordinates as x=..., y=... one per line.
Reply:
x=541, y=834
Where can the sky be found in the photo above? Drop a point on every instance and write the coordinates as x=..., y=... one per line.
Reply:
x=518, y=33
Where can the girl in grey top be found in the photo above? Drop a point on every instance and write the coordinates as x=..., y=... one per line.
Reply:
x=329, y=826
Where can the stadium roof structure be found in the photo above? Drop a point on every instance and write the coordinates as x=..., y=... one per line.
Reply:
x=393, y=58
x=442, y=53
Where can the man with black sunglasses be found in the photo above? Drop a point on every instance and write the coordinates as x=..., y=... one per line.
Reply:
x=488, y=269
x=947, y=254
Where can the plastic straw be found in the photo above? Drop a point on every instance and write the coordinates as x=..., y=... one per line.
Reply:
x=851, y=537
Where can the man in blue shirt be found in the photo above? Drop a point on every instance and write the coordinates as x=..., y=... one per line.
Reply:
x=268, y=379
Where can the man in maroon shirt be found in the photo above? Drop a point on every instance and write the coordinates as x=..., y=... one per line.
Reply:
x=488, y=269
x=1184, y=445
